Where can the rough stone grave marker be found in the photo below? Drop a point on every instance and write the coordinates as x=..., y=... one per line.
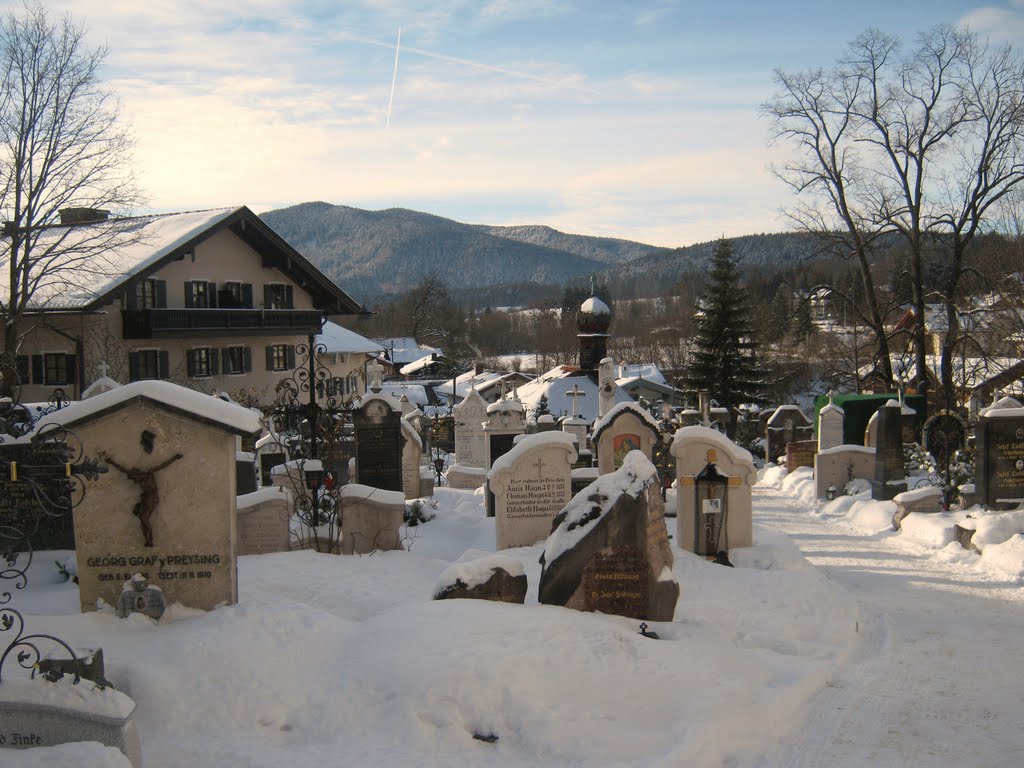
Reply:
x=531, y=484
x=609, y=550
x=167, y=507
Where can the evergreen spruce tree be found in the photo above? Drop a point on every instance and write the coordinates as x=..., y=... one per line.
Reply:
x=724, y=360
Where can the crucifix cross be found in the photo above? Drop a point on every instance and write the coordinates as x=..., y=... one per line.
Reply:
x=540, y=468
x=103, y=368
x=574, y=394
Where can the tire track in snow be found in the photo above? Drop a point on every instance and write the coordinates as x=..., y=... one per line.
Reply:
x=935, y=684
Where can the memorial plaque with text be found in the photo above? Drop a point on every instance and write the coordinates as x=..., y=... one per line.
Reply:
x=616, y=582
x=379, y=457
x=20, y=506
x=1000, y=461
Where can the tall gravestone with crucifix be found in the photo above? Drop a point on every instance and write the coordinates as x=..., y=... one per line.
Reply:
x=379, y=442
x=626, y=427
x=831, y=420
x=575, y=424
x=530, y=485
x=166, y=509
x=470, y=468
x=412, y=452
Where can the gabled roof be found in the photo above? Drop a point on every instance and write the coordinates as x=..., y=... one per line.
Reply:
x=336, y=338
x=136, y=247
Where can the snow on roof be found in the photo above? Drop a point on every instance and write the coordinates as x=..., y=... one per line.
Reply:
x=472, y=380
x=635, y=474
x=645, y=371
x=418, y=365
x=188, y=402
x=336, y=339
x=404, y=349
x=1004, y=407
x=130, y=246
x=414, y=393
x=619, y=408
x=595, y=306
x=778, y=418
x=556, y=382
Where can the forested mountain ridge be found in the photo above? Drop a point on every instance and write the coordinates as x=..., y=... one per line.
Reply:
x=371, y=254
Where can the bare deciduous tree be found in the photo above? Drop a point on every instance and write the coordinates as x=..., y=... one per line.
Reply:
x=62, y=145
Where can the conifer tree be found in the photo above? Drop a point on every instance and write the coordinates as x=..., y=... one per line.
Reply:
x=724, y=360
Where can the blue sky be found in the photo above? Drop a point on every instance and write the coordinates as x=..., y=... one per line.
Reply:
x=631, y=120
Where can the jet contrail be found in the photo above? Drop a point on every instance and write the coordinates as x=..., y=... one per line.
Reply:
x=394, y=77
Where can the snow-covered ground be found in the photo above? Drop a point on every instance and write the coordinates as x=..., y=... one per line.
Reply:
x=836, y=641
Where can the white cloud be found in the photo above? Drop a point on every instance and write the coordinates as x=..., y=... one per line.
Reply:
x=999, y=24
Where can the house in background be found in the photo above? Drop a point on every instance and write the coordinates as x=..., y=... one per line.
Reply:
x=213, y=300
x=345, y=354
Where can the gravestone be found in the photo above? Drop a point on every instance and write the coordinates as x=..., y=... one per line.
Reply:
x=371, y=519
x=694, y=448
x=37, y=713
x=506, y=420
x=530, y=485
x=830, y=425
x=889, y=473
x=270, y=453
x=470, y=468
x=19, y=508
x=999, y=452
x=800, y=454
x=605, y=386
x=412, y=453
x=609, y=551
x=835, y=467
x=263, y=521
x=578, y=426
x=379, y=442
x=625, y=428
x=245, y=473
x=787, y=424
x=496, y=577
x=166, y=507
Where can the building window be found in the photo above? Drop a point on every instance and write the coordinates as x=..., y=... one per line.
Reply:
x=148, y=364
x=148, y=294
x=201, y=362
x=55, y=369
x=237, y=360
x=278, y=296
x=280, y=357
x=200, y=294
x=145, y=294
x=235, y=295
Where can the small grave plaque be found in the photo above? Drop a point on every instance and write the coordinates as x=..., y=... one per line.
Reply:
x=18, y=505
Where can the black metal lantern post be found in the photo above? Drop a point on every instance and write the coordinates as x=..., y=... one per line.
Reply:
x=710, y=512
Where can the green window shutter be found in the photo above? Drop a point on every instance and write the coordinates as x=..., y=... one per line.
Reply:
x=247, y=295
x=165, y=365
x=71, y=368
x=211, y=295
x=246, y=359
x=133, y=366
x=37, y=369
x=214, y=362
x=161, y=294
x=270, y=357
x=290, y=356
x=189, y=298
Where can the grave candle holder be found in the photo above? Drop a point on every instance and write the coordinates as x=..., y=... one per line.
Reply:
x=710, y=511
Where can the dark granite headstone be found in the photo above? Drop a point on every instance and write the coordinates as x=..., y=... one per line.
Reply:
x=378, y=430
x=267, y=463
x=999, y=451
x=889, y=469
x=245, y=477
x=500, y=445
x=49, y=527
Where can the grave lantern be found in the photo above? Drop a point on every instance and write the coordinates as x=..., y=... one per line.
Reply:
x=314, y=477
x=831, y=493
x=710, y=510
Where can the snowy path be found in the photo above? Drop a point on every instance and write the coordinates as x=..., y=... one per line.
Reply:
x=939, y=681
